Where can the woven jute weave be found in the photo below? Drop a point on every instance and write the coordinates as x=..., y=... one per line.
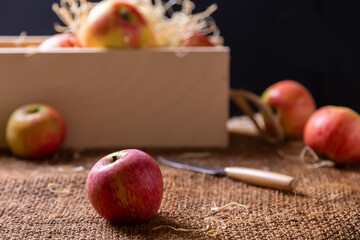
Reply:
x=325, y=204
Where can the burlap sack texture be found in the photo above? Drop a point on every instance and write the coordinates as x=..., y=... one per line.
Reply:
x=325, y=205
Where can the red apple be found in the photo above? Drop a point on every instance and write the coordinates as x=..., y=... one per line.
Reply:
x=114, y=24
x=194, y=39
x=61, y=40
x=125, y=187
x=335, y=132
x=292, y=104
x=35, y=131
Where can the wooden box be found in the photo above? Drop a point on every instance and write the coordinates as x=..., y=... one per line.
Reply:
x=122, y=98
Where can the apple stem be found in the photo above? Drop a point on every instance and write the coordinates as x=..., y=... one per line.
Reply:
x=125, y=14
x=242, y=97
x=117, y=156
x=33, y=109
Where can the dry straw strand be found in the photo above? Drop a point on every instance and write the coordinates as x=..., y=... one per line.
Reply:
x=228, y=205
x=314, y=159
x=69, y=168
x=165, y=23
x=57, y=188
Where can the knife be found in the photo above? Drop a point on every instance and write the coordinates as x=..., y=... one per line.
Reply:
x=249, y=175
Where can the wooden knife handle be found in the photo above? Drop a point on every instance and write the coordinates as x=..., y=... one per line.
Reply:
x=261, y=178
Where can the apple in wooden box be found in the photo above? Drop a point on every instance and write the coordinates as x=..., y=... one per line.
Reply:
x=159, y=97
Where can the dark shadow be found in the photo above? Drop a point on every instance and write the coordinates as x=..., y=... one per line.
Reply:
x=158, y=228
x=349, y=167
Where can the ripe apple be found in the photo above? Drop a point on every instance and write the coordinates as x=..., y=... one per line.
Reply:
x=194, y=39
x=35, y=131
x=114, y=24
x=292, y=104
x=335, y=132
x=125, y=187
x=61, y=40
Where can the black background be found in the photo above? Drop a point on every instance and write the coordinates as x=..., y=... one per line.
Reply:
x=316, y=42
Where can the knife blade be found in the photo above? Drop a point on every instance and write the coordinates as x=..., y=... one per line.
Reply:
x=249, y=175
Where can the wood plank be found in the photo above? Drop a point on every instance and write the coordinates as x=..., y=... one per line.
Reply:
x=132, y=98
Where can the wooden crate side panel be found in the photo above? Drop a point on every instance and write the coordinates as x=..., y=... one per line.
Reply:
x=124, y=98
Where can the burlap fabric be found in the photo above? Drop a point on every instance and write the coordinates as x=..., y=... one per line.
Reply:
x=325, y=205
